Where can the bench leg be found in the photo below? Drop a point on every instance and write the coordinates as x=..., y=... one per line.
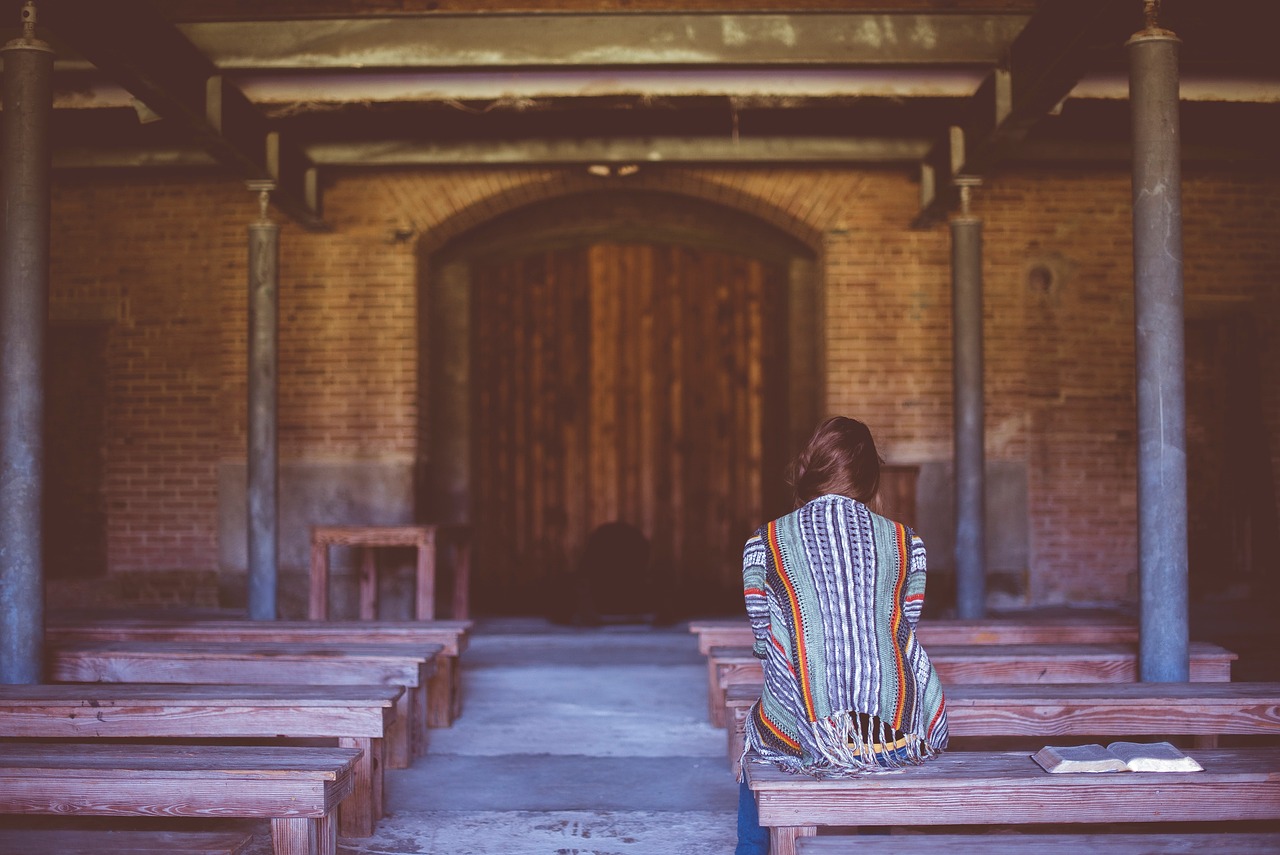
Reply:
x=356, y=814
x=398, y=748
x=440, y=693
x=455, y=689
x=304, y=835
x=714, y=697
x=782, y=839
x=422, y=709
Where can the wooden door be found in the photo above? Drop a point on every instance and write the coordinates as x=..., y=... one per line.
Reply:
x=643, y=383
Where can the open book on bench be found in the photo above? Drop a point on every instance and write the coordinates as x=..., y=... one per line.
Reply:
x=1116, y=757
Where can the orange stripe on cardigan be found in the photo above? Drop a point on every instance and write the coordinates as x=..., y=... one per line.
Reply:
x=773, y=728
x=904, y=565
x=775, y=549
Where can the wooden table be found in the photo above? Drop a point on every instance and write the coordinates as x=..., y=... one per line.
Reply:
x=426, y=539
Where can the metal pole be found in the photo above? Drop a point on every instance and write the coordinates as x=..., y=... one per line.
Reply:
x=1157, y=267
x=24, y=299
x=970, y=457
x=262, y=479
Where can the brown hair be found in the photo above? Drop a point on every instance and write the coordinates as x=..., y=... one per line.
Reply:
x=840, y=458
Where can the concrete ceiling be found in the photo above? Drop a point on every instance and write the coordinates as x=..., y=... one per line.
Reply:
x=286, y=89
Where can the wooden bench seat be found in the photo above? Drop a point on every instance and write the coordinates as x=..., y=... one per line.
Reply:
x=1228, y=843
x=355, y=716
x=1057, y=629
x=263, y=663
x=1079, y=709
x=997, y=663
x=298, y=789
x=444, y=696
x=74, y=841
x=996, y=788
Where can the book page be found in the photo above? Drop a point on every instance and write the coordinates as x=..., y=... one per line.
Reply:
x=1078, y=758
x=1153, y=757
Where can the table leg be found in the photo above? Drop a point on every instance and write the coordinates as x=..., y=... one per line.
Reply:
x=461, y=580
x=426, y=605
x=318, y=604
x=368, y=584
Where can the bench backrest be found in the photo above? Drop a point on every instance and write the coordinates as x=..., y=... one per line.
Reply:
x=240, y=662
x=1093, y=629
x=1019, y=663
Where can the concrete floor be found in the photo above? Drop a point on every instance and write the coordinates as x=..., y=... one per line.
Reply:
x=571, y=742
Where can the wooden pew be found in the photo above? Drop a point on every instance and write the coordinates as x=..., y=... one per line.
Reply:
x=990, y=788
x=999, y=663
x=1079, y=709
x=1227, y=842
x=1055, y=629
x=75, y=841
x=298, y=789
x=444, y=694
x=263, y=663
x=355, y=716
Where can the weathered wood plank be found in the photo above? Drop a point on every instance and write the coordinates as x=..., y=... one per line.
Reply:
x=444, y=697
x=262, y=662
x=995, y=630
x=997, y=663
x=75, y=841
x=354, y=716
x=299, y=787
x=1236, y=843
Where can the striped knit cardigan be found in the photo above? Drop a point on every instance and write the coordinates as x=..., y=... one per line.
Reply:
x=834, y=593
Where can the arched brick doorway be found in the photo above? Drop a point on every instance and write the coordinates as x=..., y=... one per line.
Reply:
x=636, y=356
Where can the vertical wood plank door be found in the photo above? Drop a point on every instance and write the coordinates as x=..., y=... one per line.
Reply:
x=634, y=382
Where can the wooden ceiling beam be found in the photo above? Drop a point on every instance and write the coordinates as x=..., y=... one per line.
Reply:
x=247, y=10
x=149, y=57
x=674, y=40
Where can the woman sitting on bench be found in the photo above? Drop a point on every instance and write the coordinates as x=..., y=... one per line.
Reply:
x=834, y=593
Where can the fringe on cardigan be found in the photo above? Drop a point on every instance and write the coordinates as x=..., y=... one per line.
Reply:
x=847, y=742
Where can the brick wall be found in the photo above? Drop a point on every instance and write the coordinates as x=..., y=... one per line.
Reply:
x=163, y=256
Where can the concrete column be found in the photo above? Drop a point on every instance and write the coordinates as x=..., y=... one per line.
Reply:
x=24, y=300
x=263, y=482
x=970, y=455
x=1157, y=267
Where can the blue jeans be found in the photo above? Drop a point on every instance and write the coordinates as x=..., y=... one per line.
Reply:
x=752, y=839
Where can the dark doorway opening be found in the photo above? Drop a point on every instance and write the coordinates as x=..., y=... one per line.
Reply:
x=617, y=357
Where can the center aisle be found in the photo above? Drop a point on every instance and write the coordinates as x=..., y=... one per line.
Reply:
x=571, y=741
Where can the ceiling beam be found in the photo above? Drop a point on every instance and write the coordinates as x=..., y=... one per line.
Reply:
x=133, y=46
x=1044, y=63
x=247, y=10
x=593, y=41
x=535, y=152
